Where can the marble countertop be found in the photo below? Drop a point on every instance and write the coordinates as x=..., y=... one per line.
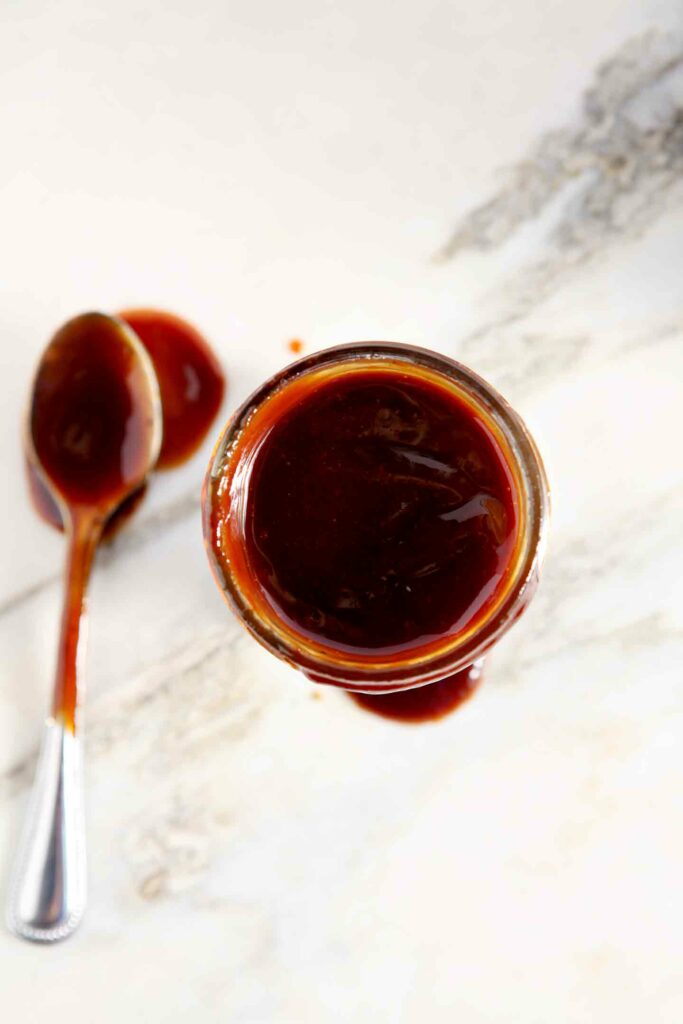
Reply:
x=500, y=181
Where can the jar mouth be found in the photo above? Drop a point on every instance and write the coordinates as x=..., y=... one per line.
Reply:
x=229, y=475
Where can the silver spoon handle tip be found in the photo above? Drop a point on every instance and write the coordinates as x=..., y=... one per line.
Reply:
x=48, y=890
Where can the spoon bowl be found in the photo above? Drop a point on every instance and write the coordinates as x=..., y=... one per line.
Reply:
x=94, y=420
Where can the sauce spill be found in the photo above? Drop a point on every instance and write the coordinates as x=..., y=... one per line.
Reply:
x=295, y=346
x=423, y=703
x=191, y=380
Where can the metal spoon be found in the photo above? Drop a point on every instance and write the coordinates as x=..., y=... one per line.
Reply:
x=93, y=432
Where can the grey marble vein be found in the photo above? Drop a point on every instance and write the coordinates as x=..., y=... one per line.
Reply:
x=612, y=174
x=580, y=563
x=133, y=536
x=151, y=699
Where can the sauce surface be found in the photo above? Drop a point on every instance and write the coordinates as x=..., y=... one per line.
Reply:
x=380, y=513
x=191, y=380
x=91, y=429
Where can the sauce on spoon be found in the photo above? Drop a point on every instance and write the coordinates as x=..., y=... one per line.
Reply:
x=93, y=435
x=192, y=387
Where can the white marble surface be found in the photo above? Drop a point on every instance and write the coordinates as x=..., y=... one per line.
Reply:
x=498, y=180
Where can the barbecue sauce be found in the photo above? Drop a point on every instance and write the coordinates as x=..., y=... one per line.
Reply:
x=89, y=431
x=380, y=514
x=191, y=386
x=191, y=381
x=423, y=703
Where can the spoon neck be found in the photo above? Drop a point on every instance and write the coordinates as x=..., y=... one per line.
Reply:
x=83, y=538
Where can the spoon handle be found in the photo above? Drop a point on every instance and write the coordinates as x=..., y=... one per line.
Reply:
x=48, y=893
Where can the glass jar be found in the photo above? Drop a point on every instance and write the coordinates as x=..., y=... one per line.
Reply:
x=224, y=504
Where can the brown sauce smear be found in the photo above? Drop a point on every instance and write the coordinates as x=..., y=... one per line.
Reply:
x=191, y=380
x=423, y=703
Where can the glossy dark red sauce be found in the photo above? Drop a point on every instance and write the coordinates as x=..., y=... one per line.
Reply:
x=48, y=510
x=89, y=431
x=380, y=514
x=191, y=385
x=423, y=703
x=190, y=377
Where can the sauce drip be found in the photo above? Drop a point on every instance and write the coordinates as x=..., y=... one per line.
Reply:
x=380, y=514
x=423, y=703
x=191, y=381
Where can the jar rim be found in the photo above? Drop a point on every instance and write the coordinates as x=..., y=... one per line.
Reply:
x=369, y=671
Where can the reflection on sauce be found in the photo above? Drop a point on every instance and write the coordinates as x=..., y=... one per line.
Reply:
x=295, y=346
x=380, y=516
x=424, y=703
x=190, y=377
